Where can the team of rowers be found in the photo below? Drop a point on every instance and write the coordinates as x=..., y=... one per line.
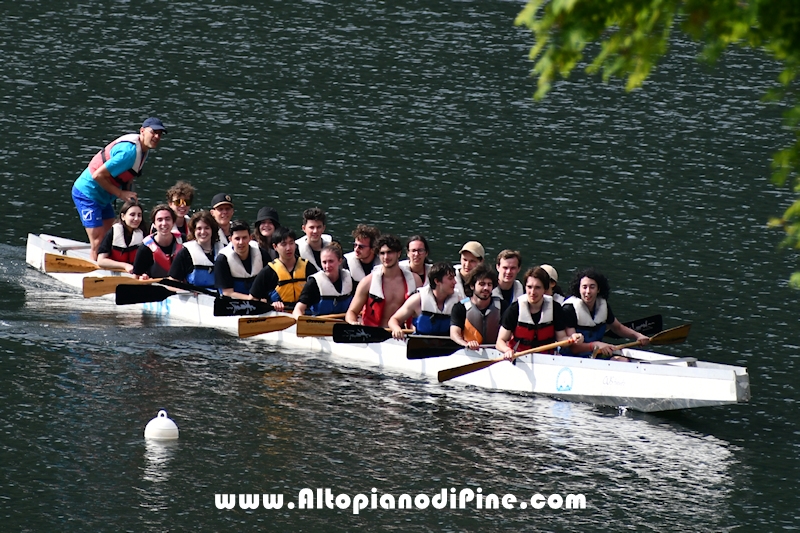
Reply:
x=474, y=302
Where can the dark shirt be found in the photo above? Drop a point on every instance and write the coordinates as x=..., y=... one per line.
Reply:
x=106, y=243
x=511, y=317
x=144, y=258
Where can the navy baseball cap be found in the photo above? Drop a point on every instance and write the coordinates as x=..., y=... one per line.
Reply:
x=155, y=124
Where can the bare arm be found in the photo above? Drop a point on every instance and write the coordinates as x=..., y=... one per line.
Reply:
x=502, y=343
x=410, y=308
x=104, y=261
x=299, y=310
x=230, y=293
x=104, y=178
x=359, y=299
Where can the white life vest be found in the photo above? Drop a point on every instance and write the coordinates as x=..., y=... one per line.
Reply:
x=305, y=249
x=235, y=263
x=585, y=318
x=354, y=265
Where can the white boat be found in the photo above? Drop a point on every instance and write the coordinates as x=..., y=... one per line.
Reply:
x=655, y=382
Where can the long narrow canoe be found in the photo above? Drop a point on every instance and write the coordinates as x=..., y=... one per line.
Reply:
x=655, y=382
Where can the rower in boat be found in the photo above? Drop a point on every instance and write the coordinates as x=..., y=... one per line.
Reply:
x=222, y=211
x=310, y=245
x=508, y=289
x=380, y=294
x=587, y=311
x=477, y=321
x=472, y=254
x=430, y=307
x=534, y=319
x=417, y=250
x=267, y=221
x=155, y=254
x=554, y=290
x=110, y=175
x=327, y=292
x=179, y=198
x=282, y=280
x=119, y=246
x=363, y=258
x=195, y=262
x=238, y=264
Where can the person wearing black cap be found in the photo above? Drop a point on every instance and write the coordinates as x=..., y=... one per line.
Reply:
x=110, y=175
x=267, y=221
x=222, y=211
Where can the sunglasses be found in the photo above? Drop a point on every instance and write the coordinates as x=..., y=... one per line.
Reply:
x=180, y=202
x=359, y=246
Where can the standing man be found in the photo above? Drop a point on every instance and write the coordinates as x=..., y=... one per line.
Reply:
x=222, y=211
x=430, y=306
x=238, y=264
x=362, y=259
x=508, y=289
x=380, y=294
x=283, y=279
x=471, y=256
x=110, y=175
x=310, y=245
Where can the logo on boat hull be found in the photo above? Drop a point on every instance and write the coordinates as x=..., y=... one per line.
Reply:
x=564, y=380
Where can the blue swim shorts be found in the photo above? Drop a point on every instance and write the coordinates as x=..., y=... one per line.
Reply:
x=92, y=214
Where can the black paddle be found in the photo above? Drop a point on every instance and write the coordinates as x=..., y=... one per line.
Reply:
x=355, y=334
x=425, y=346
x=139, y=294
x=235, y=307
x=647, y=326
x=224, y=306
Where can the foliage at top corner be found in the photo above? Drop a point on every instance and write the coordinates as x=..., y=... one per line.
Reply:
x=632, y=35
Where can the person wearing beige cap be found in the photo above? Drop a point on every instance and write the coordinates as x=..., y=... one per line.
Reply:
x=222, y=211
x=472, y=254
x=553, y=290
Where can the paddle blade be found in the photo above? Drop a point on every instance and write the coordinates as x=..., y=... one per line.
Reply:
x=310, y=326
x=236, y=307
x=452, y=373
x=98, y=286
x=672, y=336
x=64, y=264
x=425, y=346
x=355, y=334
x=249, y=327
x=169, y=282
x=139, y=294
x=647, y=326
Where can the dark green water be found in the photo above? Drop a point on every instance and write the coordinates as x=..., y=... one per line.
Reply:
x=415, y=116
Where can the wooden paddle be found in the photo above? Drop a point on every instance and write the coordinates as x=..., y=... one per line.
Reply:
x=649, y=325
x=99, y=285
x=674, y=335
x=425, y=346
x=251, y=326
x=357, y=334
x=451, y=373
x=316, y=326
x=64, y=264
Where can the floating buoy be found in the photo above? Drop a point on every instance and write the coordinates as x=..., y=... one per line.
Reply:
x=161, y=427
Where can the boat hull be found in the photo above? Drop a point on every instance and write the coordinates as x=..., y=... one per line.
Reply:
x=656, y=382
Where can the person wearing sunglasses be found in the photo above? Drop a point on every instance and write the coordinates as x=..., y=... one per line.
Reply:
x=110, y=175
x=363, y=258
x=179, y=198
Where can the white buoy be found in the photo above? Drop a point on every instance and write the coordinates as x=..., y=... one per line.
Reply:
x=161, y=428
